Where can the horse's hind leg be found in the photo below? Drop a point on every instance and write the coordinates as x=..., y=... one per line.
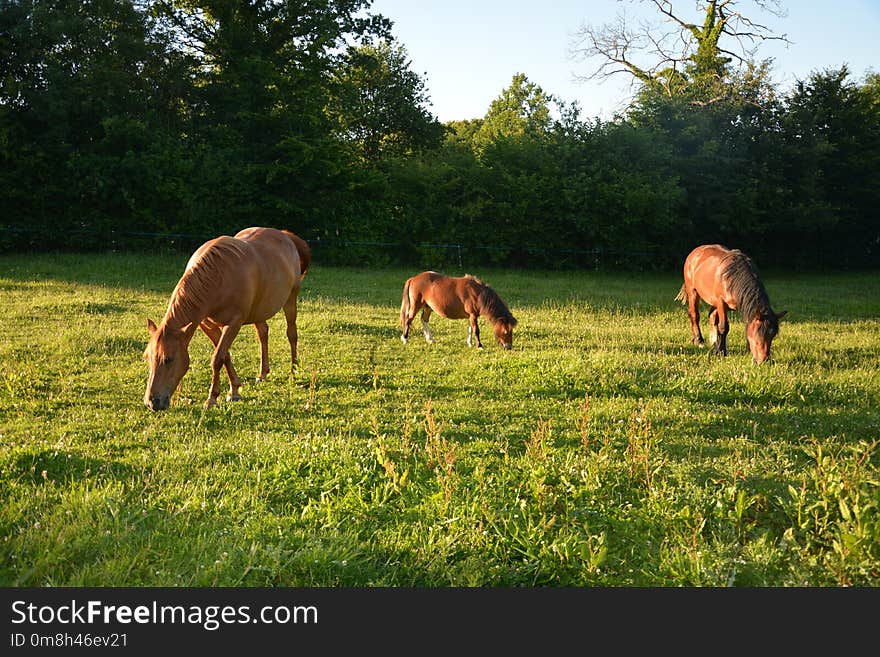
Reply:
x=426, y=326
x=407, y=317
x=693, y=305
x=262, y=329
x=221, y=358
x=214, y=334
x=407, y=324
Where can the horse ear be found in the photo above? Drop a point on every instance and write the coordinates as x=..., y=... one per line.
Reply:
x=781, y=315
x=151, y=327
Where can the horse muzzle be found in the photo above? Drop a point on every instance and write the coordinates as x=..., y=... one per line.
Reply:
x=158, y=402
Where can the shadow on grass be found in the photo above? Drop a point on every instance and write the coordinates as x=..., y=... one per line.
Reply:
x=354, y=328
x=74, y=308
x=135, y=271
x=63, y=467
x=115, y=346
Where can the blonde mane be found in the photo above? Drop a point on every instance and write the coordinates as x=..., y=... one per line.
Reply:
x=205, y=272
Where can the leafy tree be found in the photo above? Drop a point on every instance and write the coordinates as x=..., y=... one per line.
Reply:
x=382, y=105
x=260, y=129
x=522, y=110
x=86, y=89
x=830, y=160
x=462, y=131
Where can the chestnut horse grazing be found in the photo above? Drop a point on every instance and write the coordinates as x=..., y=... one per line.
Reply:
x=463, y=297
x=228, y=282
x=727, y=279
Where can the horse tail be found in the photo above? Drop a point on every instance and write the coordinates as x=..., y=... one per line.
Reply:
x=682, y=295
x=405, y=304
x=304, y=251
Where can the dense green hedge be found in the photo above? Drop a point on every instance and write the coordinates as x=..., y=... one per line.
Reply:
x=136, y=146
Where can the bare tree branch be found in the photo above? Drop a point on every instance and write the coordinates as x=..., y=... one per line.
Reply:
x=665, y=8
x=612, y=43
x=654, y=54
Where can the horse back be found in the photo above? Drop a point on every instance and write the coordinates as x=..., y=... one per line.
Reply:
x=260, y=271
x=704, y=271
x=449, y=296
x=278, y=248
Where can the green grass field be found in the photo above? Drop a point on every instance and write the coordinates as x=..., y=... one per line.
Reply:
x=603, y=450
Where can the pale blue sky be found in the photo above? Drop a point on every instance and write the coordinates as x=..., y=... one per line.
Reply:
x=468, y=50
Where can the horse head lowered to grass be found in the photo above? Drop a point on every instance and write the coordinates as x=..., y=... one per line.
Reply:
x=228, y=282
x=462, y=297
x=727, y=279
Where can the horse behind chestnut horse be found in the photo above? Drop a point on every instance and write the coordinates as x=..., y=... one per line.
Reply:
x=727, y=279
x=463, y=297
x=228, y=282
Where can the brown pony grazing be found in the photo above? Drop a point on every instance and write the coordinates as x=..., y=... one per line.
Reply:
x=727, y=279
x=228, y=282
x=455, y=298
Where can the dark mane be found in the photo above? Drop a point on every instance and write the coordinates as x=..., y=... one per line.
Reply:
x=493, y=305
x=746, y=287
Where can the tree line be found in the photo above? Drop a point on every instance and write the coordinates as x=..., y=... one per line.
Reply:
x=159, y=123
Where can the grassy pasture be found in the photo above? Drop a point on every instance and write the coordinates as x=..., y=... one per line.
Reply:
x=603, y=450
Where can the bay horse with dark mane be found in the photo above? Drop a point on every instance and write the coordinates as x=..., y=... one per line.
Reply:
x=228, y=282
x=455, y=297
x=727, y=279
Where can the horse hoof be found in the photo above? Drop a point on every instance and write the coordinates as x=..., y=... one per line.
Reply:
x=230, y=397
x=211, y=402
x=403, y=339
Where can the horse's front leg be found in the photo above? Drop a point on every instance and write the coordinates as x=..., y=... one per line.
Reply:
x=214, y=334
x=723, y=326
x=262, y=329
x=218, y=360
x=474, y=329
x=694, y=315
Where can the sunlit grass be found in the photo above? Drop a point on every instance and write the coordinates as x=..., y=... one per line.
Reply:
x=603, y=450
